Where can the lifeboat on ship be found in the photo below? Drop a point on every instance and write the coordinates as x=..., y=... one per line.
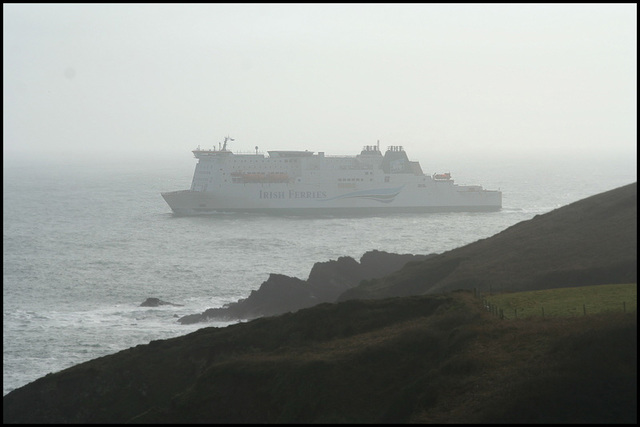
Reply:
x=262, y=177
x=442, y=176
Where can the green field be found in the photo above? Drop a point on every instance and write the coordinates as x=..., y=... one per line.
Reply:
x=566, y=302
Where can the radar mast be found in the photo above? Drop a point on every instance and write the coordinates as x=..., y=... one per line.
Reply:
x=224, y=146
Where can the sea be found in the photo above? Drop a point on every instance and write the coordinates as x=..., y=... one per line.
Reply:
x=86, y=242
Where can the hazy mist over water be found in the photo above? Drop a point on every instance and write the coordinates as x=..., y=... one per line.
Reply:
x=83, y=79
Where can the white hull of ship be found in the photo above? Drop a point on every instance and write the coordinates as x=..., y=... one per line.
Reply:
x=298, y=199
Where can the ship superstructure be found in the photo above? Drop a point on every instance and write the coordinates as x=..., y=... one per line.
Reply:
x=301, y=182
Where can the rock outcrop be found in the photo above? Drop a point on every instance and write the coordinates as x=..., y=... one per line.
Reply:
x=156, y=302
x=327, y=280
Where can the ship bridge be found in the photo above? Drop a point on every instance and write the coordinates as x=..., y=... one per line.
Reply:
x=283, y=153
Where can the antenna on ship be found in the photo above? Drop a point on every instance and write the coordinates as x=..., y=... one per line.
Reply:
x=226, y=138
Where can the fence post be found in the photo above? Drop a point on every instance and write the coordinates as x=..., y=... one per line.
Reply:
x=584, y=309
x=542, y=311
x=624, y=306
x=515, y=312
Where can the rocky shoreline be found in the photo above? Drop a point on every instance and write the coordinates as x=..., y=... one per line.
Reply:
x=280, y=294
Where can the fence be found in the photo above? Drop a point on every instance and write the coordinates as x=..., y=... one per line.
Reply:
x=559, y=304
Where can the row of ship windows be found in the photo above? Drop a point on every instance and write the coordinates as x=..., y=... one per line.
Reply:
x=256, y=172
x=349, y=179
x=250, y=161
x=251, y=172
x=350, y=168
x=265, y=160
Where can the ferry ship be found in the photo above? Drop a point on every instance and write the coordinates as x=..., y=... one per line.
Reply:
x=304, y=182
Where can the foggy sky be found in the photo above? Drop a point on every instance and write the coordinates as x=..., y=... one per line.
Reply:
x=143, y=78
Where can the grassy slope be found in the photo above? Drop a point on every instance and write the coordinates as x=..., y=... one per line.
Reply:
x=592, y=241
x=576, y=301
x=412, y=359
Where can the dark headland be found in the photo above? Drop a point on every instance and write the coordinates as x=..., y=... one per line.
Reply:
x=328, y=280
x=413, y=346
